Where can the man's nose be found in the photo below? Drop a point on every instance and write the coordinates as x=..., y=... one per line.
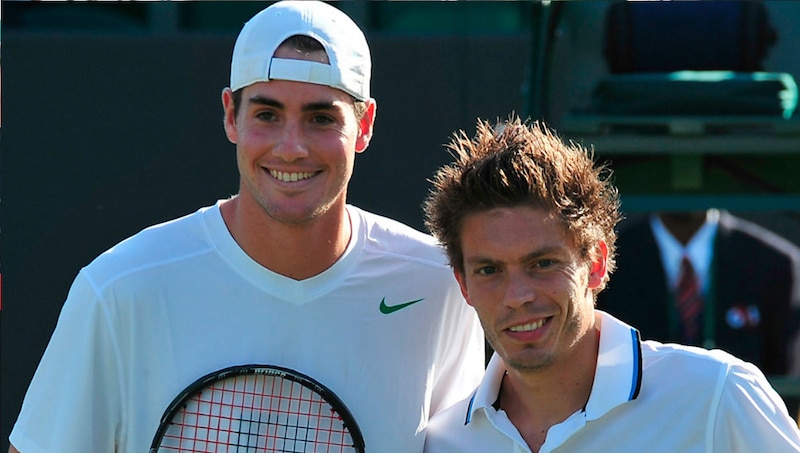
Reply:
x=291, y=145
x=519, y=290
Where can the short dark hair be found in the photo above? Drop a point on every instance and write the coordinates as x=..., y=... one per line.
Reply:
x=518, y=163
x=306, y=45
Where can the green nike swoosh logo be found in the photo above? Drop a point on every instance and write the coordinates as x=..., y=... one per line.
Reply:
x=388, y=309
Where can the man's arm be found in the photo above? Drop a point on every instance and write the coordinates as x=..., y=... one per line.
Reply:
x=11, y=449
x=751, y=416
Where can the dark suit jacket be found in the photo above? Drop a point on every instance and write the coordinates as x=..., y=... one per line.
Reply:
x=756, y=302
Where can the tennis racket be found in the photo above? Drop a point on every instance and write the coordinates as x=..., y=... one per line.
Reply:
x=255, y=409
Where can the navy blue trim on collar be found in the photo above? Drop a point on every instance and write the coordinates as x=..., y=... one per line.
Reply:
x=636, y=385
x=469, y=409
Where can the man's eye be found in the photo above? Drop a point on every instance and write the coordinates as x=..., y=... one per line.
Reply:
x=266, y=116
x=322, y=119
x=486, y=270
x=544, y=264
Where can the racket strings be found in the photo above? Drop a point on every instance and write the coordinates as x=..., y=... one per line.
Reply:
x=256, y=413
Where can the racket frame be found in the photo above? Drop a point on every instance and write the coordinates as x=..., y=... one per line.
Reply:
x=266, y=370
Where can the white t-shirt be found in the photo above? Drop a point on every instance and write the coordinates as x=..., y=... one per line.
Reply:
x=182, y=299
x=646, y=397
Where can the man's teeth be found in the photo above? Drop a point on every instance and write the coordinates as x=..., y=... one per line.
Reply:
x=290, y=177
x=528, y=327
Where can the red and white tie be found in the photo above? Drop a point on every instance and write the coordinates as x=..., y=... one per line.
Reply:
x=689, y=302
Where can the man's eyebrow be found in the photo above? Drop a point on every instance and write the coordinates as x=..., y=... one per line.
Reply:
x=544, y=251
x=534, y=255
x=265, y=101
x=310, y=107
x=322, y=105
x=478, y=260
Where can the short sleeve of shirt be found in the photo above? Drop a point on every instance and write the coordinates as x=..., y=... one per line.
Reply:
x=73, y=401
x=752, y=416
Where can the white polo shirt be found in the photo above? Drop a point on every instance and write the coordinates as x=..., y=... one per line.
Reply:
x=646, y=397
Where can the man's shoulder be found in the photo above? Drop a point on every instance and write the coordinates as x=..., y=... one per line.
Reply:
x=390, y=236
x=382, y=224
x=459, y=429
x=448, y=420
x=168, y=241
x=665, y=359
x=677, y=351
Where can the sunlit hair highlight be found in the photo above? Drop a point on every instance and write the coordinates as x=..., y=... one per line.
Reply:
x=517, y=163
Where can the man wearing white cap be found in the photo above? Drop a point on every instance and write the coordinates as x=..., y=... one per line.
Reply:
x=284, y=273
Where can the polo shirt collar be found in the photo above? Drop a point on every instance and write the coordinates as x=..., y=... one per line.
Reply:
x=617, y=378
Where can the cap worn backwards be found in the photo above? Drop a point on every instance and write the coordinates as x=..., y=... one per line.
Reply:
x=345, y=44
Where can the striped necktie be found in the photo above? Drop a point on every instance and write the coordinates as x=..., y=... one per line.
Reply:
x=689, y=302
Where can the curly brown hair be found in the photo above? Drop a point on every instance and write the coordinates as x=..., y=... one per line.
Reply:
x=520, y=163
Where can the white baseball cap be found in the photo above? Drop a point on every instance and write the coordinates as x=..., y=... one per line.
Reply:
x=347, y=49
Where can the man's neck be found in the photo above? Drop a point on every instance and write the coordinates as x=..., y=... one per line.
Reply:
x=683, y=225
x=535, y=401
x=297, y=251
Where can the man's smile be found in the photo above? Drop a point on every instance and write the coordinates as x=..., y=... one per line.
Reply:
x=528, y=327
x=290, y=176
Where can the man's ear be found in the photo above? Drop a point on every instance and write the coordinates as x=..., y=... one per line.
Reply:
x=462, y=283
x=229, y=119
x=597, y=272
x=365, y=126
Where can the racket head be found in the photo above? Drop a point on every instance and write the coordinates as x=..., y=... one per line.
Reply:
x=259, y=408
